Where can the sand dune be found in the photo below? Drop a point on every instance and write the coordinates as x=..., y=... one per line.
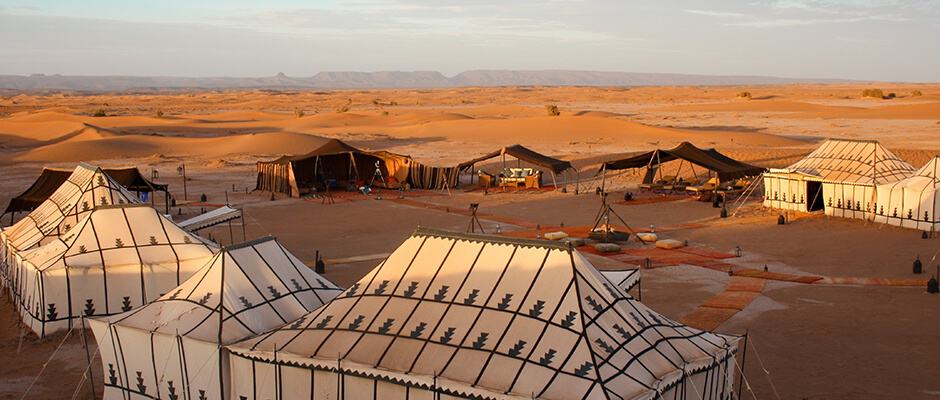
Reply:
x=564, y=130
x=877, y=110
x=92, y=144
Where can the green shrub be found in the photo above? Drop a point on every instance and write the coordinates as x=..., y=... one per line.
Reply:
x=345, y=107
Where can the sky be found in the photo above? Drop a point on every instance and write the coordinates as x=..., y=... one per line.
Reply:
x=889, y=40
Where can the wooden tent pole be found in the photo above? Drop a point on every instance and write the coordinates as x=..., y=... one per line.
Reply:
x=554, y=182
x=604, y=178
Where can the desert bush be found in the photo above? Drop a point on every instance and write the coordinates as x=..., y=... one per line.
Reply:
x=345, y=107
x=873, y=93
x=99, y=113
x=917, y=93
x=744, y=95
x=158, y=114
x=552, y=110
x=891, y=95
x=299, y=113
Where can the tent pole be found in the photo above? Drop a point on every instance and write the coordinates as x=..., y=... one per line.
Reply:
x=604, y=178
x=554, y=182
x=231, y=235
x=577, y=182
x=244, y=236
x=743, y=358
x=91, y=374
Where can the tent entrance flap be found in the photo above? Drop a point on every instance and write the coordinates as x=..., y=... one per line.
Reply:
x=814, y=196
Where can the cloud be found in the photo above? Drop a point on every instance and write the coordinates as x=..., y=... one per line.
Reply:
x=716, y=13
x=787, y=22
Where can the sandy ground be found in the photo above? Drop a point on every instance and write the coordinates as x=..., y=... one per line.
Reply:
x=814, y=341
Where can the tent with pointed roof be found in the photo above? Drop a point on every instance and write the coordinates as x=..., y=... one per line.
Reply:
x=86, y=188
x=841, y=177
x=912, y=202
x=450, y=316
x=172, y=347
x=117, y=258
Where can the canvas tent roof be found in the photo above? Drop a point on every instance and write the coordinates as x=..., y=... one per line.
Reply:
x=496, y=318
x=86, y=188
x=244, y=290
x=864, y=162
x=711, y=159
x=214, y=217
x=332, y=146
x=524, y=154
x=51, y=179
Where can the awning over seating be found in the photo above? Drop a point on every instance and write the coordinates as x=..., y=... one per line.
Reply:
x=51, y=179
x=524, y=154
x=212, y=218
x=726, y=167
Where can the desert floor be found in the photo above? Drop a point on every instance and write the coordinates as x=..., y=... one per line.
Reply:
x=838, y=338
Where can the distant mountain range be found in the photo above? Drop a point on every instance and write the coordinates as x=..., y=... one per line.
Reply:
x=385, y=79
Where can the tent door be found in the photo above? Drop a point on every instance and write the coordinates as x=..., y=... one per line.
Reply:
x=814, y=196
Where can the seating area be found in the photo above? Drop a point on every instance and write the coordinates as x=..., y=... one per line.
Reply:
x=527, y=178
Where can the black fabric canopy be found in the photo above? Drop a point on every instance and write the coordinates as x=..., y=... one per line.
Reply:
x=523, y=154
x=726, y=167
x=50, y=180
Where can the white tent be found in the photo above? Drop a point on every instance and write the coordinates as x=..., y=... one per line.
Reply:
x=912, y=202
x=87, y=188
x=450, y=316
x=172, y=348
x=115, y=259
x=625, y=279
x=840, y=177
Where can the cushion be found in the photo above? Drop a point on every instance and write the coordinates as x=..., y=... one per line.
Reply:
x=607, y=247
x=669, y=244
x=555, y=235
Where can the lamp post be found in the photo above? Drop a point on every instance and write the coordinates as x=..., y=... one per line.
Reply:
x=181, y=170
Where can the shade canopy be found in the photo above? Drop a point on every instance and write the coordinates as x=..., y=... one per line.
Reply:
x=525, y=154
x=484, y=317
x=51, y=179
x=710, y=159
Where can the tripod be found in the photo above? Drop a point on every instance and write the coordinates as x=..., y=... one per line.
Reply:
x=378, y=175
x=474, y=220
x=603, y=217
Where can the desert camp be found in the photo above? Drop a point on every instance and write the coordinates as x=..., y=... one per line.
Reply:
x=404, y=200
